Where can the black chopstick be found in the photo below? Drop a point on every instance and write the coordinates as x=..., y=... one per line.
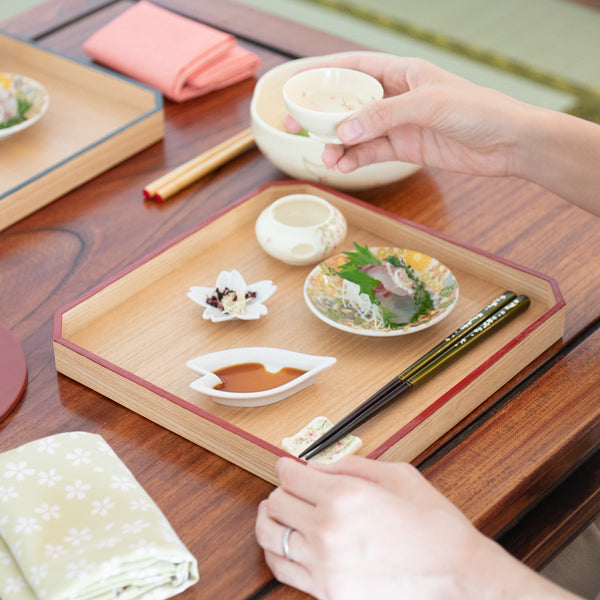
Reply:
x=497, y=313
x=398, y=385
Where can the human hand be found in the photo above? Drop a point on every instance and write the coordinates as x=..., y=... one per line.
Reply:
x=434, y=118
x=362, y=527
x=430, y=117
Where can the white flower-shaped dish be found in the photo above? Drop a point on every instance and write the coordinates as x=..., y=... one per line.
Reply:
x=273, y=359
x=233, y=280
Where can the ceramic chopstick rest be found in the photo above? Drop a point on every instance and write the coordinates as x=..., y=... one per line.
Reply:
x=296, y=443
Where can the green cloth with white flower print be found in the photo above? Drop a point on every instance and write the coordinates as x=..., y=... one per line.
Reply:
x=75, y=524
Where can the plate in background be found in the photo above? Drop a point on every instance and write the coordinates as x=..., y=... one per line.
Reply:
x=32, y=101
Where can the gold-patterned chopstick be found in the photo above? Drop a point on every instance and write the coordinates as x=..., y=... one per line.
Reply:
x=496, y=314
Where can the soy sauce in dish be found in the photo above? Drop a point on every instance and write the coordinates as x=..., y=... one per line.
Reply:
x=253, y=377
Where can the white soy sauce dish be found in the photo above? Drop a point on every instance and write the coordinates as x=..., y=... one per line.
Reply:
x=272, y=359
x=300, y=229
x=320, y=99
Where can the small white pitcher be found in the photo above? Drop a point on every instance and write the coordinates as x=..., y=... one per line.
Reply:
x=300, y=229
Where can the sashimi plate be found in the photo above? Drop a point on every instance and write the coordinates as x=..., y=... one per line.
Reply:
x=326, y=295
x=23, y=102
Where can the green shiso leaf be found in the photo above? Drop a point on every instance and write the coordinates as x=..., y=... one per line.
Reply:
x=351, y=272
x=362, y=256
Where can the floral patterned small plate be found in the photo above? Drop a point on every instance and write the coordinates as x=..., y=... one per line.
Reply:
x=328, y=298
x=23, y=101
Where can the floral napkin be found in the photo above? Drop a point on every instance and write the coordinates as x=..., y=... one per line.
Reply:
x=75, y=524
x=177, y=55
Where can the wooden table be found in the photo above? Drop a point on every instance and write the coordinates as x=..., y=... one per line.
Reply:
x=525, y=467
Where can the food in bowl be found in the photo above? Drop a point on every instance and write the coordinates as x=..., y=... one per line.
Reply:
x=299, y=156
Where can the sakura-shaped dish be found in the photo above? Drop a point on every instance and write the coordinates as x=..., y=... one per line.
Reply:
x=231, y=298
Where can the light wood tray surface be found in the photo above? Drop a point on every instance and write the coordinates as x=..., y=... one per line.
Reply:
x=95, y=120
x=130, y=338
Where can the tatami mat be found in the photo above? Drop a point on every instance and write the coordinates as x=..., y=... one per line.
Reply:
x=8, y=8
x=546, y=52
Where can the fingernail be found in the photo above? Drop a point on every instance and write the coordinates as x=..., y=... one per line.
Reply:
x=351, y=130
x=329, y=157
x=291, y=125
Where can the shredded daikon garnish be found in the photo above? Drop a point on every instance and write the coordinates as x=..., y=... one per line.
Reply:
x=231, y=301
x=234, y=304
x=361, y=303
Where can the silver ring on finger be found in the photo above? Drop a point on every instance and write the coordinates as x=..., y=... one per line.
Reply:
x=286, y=542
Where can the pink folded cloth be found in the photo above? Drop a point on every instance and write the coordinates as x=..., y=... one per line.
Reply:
x=179, y=56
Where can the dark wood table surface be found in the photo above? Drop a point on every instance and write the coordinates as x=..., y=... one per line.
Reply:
x=524, y=467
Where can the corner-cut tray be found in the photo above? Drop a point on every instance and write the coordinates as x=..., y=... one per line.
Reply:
x=131, y=337
x=95, y=120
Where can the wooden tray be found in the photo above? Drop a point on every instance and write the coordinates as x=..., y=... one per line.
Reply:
x=95, y=120
x=131, y=337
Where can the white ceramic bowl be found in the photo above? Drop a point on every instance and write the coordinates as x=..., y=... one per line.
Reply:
x=298, y=156
x=273, y=359
x=320, y=99
x=300, y=229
